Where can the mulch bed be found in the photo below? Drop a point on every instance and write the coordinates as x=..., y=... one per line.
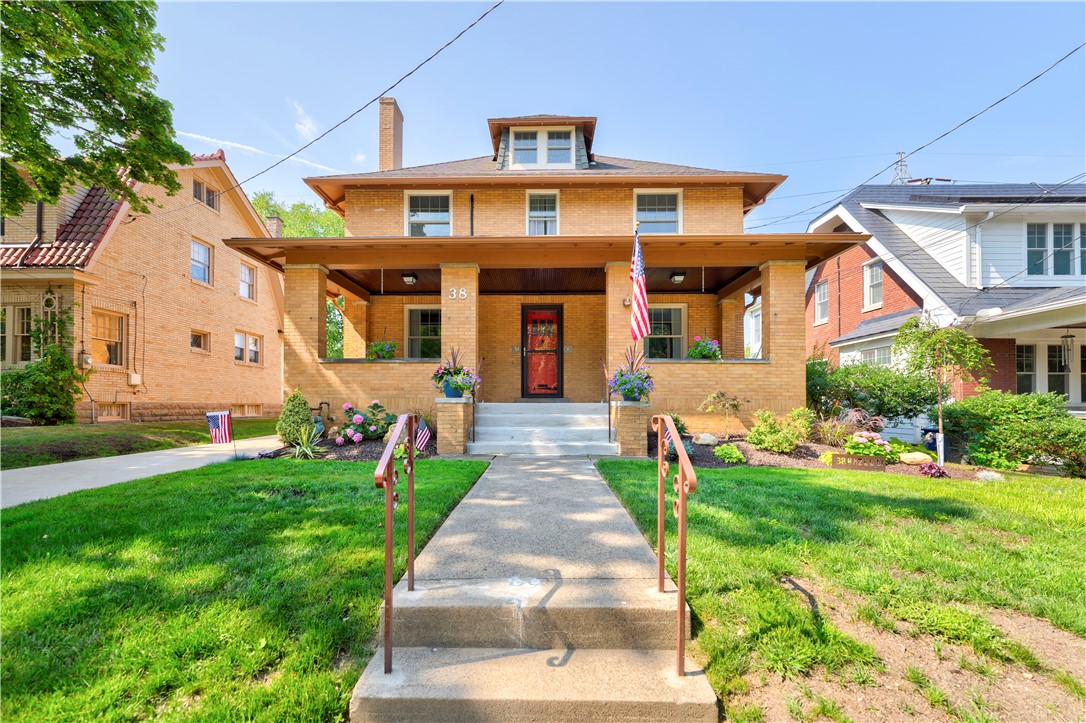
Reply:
x=805, y=455
x=368, y=450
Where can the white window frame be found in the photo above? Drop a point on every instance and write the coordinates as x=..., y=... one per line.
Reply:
x=677, y=192
x=210, y=261
x=754, y=315
x=528, y=210
x=1051, y=349
x=1048, y=270
x=248, y=338
x=407, y=195
x=682, y=337
x=821, y=286
x=542, y=134
x=871, y=355
x=251, y=284
x=206, y=336
x=407, y=309
x=1032, y=373
x=868, y=304
x=202, y=191
x=11, y=340
x=122, y=340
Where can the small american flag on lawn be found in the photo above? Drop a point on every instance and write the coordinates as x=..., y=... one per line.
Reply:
x=422, y=435
x=218, y=423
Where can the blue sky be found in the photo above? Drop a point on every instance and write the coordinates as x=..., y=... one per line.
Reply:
x=825, y=93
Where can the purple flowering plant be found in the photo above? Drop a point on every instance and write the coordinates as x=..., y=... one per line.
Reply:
x=369, y=423
x=704, y=349
x=453, y=372
x=632, y=380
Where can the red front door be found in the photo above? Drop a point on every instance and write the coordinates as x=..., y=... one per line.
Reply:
x=541, y=344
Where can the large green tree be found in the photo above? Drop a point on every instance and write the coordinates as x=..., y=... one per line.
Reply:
x=305, y=220
x=82, y=70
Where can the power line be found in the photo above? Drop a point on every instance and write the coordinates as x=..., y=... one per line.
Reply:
x=937, y=138
x=373, y=100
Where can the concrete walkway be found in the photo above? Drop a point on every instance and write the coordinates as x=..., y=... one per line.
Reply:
x=536, y=600
x=53, y=480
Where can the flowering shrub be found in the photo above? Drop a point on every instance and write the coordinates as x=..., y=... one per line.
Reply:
x=872, y=444
x=381, y=349
x=779, y=435
x=704, y=349
x=632, y=380
x=369, y=423
x=930, y=469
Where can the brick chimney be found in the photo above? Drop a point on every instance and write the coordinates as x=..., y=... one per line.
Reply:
x=390, y=156
x=275, y=226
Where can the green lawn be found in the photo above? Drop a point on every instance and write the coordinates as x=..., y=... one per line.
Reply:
x=33, y=446
x=924, y=551
x=240, y=591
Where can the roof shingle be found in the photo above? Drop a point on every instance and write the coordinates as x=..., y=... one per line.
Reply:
x=75, y=241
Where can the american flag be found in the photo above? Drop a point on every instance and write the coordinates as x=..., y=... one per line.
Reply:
x=639, y=315
x=422, y=435
x=218, y=423
x=667, y=435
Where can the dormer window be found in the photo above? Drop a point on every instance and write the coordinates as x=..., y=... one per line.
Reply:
x=542, y=148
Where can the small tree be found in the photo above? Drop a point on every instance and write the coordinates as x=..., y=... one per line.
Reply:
x=946, y=354
x=294, y=418
x=723, y=404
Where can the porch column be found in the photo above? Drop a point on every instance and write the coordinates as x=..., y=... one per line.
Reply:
x=731, y=328
x=784, y=328
x=460, y=311
x=618, y=288
x=355, y=328
x=305, y=336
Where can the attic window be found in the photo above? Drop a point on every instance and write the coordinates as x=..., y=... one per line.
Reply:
x=542, y=148
x=205, y=194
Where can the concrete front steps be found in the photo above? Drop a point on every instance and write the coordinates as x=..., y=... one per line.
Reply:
x=558, y=429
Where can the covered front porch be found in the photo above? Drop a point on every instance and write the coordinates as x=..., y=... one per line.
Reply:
x=544, y=319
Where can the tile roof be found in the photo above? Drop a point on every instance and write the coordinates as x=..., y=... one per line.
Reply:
x=218, y=155
x=960, y=298
x=75, y=241
x=487, y=166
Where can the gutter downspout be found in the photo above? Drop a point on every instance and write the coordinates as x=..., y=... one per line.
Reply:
x=471, y=214
x=38, y=226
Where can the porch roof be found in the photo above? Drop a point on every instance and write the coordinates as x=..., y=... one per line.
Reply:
x=731, y=260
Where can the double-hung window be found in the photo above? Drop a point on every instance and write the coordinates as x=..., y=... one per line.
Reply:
x=1036, y=248
x=1063, y=248
x=200, y=262
x=559, y=147
x=15, y=327
x=247, y=288
x=424, y=332
x=665, y=339
x=525, y=148
x=657, y=212
x=822, y=302
x=542, y=214
x=247, y=348
x=1025, y=365
x=1082, y=248
x=873, y=285
x=539, y=148
x=1059, y=373
x=107, y=338
x=429, y=215
x=878, y=357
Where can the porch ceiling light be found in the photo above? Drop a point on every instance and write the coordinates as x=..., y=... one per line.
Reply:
x=409, y=279
x=677, y=277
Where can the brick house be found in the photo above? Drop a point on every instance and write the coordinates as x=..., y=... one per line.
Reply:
x=520, y=260
x=1005, y=262
x=172, y=322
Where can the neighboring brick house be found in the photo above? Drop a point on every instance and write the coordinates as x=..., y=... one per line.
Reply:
x=521, y=258
x=1005, y=262
x=171, y=321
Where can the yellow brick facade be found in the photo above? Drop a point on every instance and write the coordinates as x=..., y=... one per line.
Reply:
x=141, y=273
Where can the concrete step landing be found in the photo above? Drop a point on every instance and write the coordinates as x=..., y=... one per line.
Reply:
x=512, y=685
x=544, y=430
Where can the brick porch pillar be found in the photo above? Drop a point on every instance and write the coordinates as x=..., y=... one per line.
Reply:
x=355, y=328
x=617, y=288
x=305, y=335
x=731, y=328
x=784, y=328
x=460, y=312
x=632, y=428
x=454, y=417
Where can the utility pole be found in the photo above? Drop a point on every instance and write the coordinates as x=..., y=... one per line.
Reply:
x=901, y=171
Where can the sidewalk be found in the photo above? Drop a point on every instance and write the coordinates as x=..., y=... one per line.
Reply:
x=53, y=480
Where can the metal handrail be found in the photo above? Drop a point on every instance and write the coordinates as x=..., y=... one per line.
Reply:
x=477, y=394
x=685, y=483
x=386, y=477
x=606, y=396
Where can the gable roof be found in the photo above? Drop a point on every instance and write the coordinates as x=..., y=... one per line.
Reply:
x=963, y=300
x=75, y=241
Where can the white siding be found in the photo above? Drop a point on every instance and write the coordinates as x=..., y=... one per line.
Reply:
x=940, y=234
x=1003, y=250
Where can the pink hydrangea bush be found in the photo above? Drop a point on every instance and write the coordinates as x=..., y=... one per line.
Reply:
x=870, y=443
x=369, y=423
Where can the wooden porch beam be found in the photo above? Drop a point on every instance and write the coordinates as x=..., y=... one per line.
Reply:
x=347, y=287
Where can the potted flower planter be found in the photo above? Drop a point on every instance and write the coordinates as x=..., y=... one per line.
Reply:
x=452, y=392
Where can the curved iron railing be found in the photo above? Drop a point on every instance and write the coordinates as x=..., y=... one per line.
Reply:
x=386, y=477
x=684, y=483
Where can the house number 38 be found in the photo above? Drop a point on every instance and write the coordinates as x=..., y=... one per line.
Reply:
x=461, y=293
